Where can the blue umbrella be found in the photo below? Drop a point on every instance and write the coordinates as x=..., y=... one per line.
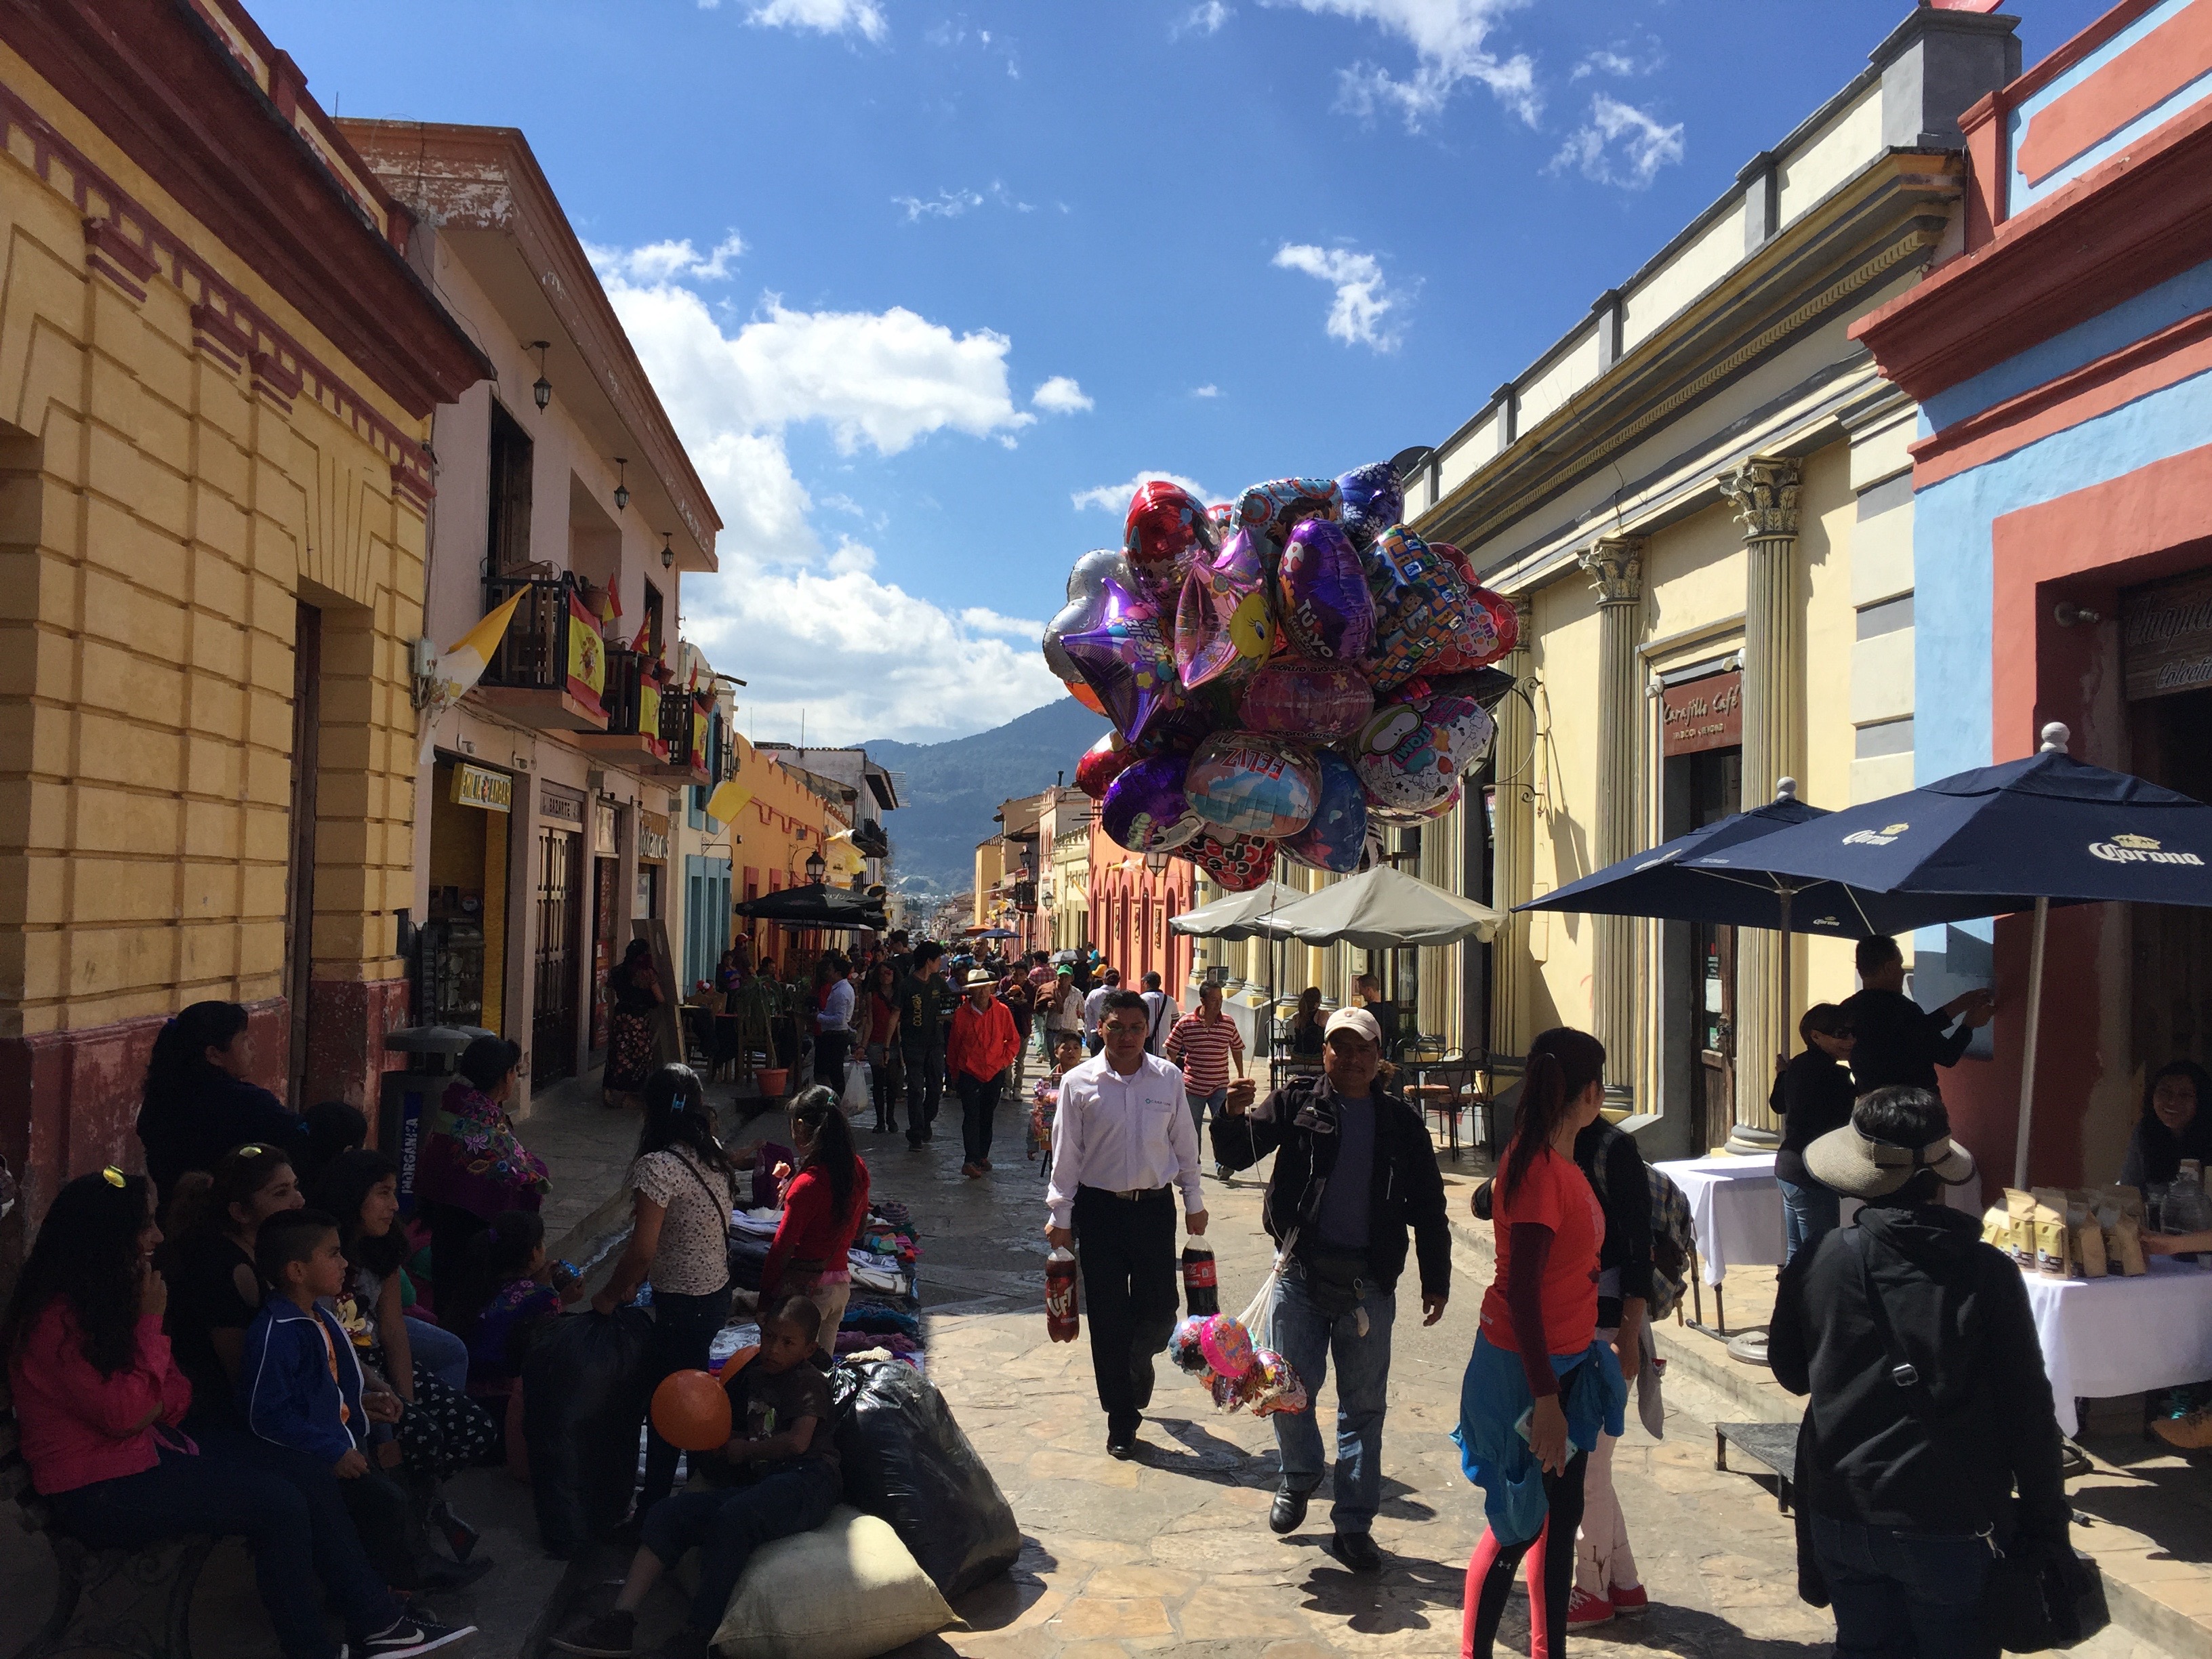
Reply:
x=2044, y=830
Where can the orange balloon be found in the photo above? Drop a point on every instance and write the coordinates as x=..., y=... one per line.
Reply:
x=691, y=1411
x=1083, y=694
x=736, y=1363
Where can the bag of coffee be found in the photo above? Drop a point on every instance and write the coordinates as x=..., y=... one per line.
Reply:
x=1996, y=1227
x=2053, y=1253
x=2086, y=1236
x=2020, y=1206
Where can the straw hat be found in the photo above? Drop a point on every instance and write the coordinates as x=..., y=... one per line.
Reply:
x=1849, y=1162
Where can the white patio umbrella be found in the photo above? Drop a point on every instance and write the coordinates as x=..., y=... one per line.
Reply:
x=1384, y=909
x=1234, y=917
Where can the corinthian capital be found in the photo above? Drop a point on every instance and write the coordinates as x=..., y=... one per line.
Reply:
x=1764, y=493
x=1616, y=568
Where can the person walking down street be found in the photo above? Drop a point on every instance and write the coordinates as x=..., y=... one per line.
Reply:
x=1162, y=1016
x=925, y=1002
x=1094, y=1007
x=882, y=1014
x=1813, y=1096
x=1901, y=1482
x=1063, y=1007
x=978, y=1049
x=470, y=1167
x=1203, y=1043
x=200, y=1100
x=634, y=989
x=1021, y=1002
x=1354, y=1172
x=1900, y=1044
x=1537, y=1358
x=833, y=1021
x=1121, y=1144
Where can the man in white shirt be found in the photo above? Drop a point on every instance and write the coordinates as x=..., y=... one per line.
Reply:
x=1121, y=1140
x=833, y=1027
x=1164, y=1016
x=1094, y=1007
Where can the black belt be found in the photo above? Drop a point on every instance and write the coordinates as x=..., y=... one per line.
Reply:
x=1128, y=1195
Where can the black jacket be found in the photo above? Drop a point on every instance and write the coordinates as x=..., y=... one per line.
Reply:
x=1298, y=1123
x=216, y=1112
x=1624, y=1191
x=1961, y=1313
x=1814, y=1095
x=1899, y=1042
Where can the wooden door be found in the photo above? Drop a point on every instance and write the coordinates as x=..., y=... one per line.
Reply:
x=559, y=919
x=1713, y=999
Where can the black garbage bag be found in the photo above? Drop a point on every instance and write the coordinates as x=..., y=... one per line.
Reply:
x=584, y=1393
x=906, y=1460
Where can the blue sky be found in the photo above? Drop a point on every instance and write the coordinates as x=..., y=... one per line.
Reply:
x=920, y=282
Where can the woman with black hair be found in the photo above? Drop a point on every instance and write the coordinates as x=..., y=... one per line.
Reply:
x=98, y=1400
x=1306, y=1035
x=685, y=1188
x=214, y=1289
x=633, y=990
x=823, y=1205
x=2176, y=1124
x=470, y=1166
x=1540, y=1387
x=331, y=1127
x=199, y=1100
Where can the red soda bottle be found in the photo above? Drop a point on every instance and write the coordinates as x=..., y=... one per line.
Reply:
x=1062, y=1319
x=1200, y=1294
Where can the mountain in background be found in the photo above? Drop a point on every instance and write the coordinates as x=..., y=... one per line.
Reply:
x=948, y=791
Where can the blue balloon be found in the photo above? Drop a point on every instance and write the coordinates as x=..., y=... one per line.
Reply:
x=1336, y=835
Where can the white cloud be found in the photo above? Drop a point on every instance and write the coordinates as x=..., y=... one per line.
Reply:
x=945, y=204
x=1209, y=389
x=1205, y=19
x=824, y=17
x=1619, y=145
x=1114, y=498
x=1060, y=395
x=1360, y=315
x=819, y=628
x=667, y=261
x=1449, y=38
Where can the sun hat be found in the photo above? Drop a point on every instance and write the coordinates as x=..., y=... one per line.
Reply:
x=1858, y=1166
x=980, y=979
x=1353, y=1020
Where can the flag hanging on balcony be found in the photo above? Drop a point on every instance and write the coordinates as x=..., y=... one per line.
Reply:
x=460, y=666
x=587, y=654
x=728, y=800
x=648, y=711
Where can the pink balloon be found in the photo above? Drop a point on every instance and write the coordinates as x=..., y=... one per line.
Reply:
x=1319, y=700
x=1223, y=627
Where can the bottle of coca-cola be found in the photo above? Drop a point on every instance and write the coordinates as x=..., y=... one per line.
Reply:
x=1202, y=1293
x=1063, y=1321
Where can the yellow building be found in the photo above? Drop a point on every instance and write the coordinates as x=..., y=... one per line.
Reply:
x=217, y=372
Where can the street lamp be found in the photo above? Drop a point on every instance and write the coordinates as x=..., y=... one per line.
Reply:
x=622, y=485
x=541, y=390
x=815, y=866
x=668, y=556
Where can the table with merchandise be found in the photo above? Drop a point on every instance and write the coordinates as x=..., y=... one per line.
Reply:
x=2111, y=1336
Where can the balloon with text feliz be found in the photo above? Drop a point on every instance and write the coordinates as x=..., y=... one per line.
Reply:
x=1086, y=609
x=1126, y=660
x=1336, y=835
x=1223, y=626
x=1321, y=702
x=1146, y=810
x=1103, y=762
x=1326, y=608
x=1167, y=529
x=1374, y=500
x=1276, y=507
x=1406, y=764
x=1236, y=866
x=1423, y=612
x=1242, y=783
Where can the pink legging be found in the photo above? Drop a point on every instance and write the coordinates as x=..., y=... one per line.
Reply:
x=1490, y=1572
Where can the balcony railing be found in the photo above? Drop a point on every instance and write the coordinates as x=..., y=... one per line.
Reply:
x=551, y=654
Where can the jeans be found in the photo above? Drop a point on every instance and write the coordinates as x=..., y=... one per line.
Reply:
x=683, y=1330
x=830, y=1049
x=1902, y=1594
x=726, y=1527
x=1307, y=1338
x=1126, y=1248
x=979, y=1106
x=1808, y=1210
x=1200, y=1104
x=438, y=1350
x=296, y=1540
x=881, y=1082
x=925, y=1086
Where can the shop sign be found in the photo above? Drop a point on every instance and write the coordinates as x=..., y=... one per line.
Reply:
x=1701, y=714
x=652, y=835
x=559, y=806
x=2165, y=636
x=603, y=829
x=479, y=786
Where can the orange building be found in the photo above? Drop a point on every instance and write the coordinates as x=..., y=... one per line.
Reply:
x=1130, y=907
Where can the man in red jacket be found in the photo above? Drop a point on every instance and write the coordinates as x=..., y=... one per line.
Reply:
x=978, y=1049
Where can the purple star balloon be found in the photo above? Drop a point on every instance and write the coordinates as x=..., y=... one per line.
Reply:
x=1126, y=660
x=1326, y=610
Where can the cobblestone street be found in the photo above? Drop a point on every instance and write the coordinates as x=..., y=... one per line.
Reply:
x=1171, y=1551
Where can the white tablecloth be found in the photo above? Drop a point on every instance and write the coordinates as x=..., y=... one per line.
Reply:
x=2103, y=1337
x=1737, y=1208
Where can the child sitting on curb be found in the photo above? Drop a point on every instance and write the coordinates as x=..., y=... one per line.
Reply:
x=777, y=1476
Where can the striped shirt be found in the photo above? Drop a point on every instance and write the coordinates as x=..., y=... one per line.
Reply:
x=1202, y=1047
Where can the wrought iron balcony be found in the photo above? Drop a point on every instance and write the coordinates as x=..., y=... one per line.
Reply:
x=550, y=667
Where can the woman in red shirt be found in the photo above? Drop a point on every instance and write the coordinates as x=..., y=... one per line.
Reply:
x=824, y=1205
x=882, y=1021
x=98, y=1400
x=1540, y=1387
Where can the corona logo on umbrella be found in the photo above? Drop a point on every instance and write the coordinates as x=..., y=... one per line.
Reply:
x=2137, y=849
x=1881, y=837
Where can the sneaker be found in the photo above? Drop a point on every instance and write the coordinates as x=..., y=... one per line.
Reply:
x=411, y=1635
x=1584, y=1609
x=610, y=1635
x=1629, y=1599
x=2190, y=1433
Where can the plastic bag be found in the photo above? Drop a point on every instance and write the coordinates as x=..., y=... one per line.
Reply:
x=906, y=1460
x=860, y=1092
x=585, y=1386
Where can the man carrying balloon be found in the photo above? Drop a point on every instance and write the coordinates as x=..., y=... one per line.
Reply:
x=1354, y=1172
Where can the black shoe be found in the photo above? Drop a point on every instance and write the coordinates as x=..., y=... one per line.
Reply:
x=1358, y=1552
x=1288, y=1513
x=1121, y=1443
x=460, y=1537
x=610, y=1635
x=438, y=1575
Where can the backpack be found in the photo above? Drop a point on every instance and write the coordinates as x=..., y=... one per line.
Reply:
x=1674, y=1235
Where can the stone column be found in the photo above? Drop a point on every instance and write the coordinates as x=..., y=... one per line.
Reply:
x=1513, y=847
x=1764, y=492
x=1616, y=568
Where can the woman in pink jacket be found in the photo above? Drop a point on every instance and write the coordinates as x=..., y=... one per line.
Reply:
x=98, y=1400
